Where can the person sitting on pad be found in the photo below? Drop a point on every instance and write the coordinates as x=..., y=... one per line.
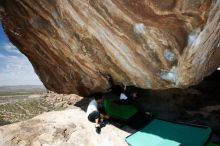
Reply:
x=95, y=114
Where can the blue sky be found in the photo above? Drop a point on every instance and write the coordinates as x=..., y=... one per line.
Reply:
x=15, y=68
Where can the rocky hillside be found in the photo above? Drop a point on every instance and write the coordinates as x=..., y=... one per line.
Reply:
x=15, y=108
x=22, y=110
x=75, y=45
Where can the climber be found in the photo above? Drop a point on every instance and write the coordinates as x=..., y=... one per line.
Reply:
x=96, y=114
x=127, y=97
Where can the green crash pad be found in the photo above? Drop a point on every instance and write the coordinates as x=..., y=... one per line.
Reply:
x=212, y=144
x=164, y=133
x=121, y=112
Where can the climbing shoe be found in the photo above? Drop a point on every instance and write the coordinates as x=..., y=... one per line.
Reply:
x=98, y=129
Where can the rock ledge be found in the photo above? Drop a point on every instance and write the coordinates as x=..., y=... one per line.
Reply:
x=61, y=128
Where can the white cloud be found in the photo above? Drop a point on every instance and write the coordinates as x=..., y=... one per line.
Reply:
x=16, y=69
x=9, y=47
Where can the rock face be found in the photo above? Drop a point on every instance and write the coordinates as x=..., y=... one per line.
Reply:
x=74, y=45
x=62, y=128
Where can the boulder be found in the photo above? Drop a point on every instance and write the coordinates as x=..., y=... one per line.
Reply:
x=76, y=45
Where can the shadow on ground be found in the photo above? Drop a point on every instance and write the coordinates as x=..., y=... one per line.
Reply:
x=198, y=104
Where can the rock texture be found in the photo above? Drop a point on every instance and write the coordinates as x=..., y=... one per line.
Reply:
x=62, y=100
x=62, y=128
x=75, y=44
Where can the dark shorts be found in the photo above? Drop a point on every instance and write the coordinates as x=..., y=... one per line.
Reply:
x=93, y=116
x=102, y=110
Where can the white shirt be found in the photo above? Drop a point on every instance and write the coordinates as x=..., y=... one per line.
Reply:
x=123, y=97
x=91, y=107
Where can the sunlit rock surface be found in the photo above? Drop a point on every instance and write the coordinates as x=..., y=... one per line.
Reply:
x=61, y=128
x=74, y=45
